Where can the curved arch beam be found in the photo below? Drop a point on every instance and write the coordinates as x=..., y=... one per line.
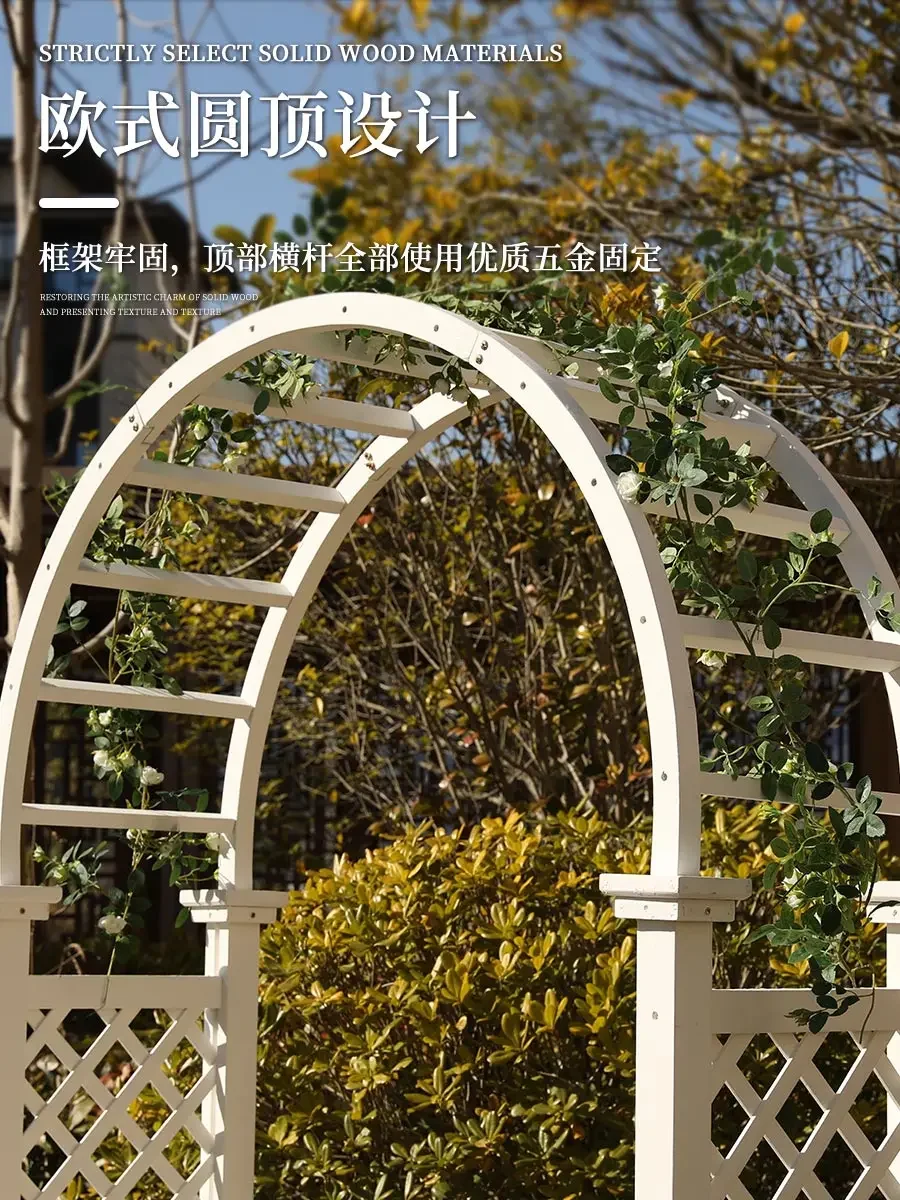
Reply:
x=632, y=546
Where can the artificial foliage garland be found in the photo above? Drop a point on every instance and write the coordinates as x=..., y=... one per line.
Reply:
x=824, y=860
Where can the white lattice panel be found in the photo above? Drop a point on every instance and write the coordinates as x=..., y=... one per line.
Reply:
x=90, y=1071
x=792, y=1115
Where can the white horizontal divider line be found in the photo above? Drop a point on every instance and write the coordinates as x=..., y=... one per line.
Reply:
x=748, y=787
x=97, y=817
x=221, y=589
x=314, y=409
x=827, y=649
x=114, y=695
x=228, y=485
x=78, y=202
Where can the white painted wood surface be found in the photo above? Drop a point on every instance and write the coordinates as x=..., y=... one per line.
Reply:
x=84, y=816
x=747, y=787
x=230, y=485
x=828, y=649
x=114, y=695
x=219, y=589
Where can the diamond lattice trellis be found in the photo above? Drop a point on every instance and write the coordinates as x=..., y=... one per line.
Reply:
x=85, y=1101
x=763, y=1108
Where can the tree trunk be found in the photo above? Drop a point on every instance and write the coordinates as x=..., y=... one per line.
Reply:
x=24, y=543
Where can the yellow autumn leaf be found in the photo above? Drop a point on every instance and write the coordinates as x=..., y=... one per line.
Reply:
x=794, y=22
x=839, y=343
x=419, y=10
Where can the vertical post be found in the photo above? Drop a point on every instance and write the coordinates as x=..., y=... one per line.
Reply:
x=673, y=1105
x=19, y=906
x=885, y=908
x=233, y=918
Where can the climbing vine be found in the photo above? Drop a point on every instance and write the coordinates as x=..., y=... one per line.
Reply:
x=825, y=822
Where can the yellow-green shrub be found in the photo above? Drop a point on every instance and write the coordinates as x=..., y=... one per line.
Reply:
x=452, y=1016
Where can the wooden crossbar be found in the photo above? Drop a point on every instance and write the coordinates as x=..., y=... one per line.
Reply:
x=220, y=589
x=109, y=695
x=230, y=485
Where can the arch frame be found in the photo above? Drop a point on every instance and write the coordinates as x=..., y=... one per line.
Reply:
x=674, y=905
x=506, y=367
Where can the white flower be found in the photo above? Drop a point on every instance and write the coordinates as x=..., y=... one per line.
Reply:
x=125, y=759
x=665, y=368
x=150, y=776
x=103, y=761
x=217, y=842
x=105, y=718
x=201, y=430
x=112, y=924
x=628, y=485
x=271, y=367
x=712, y=658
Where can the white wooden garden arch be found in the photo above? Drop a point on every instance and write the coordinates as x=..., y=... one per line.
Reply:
x=681, y=1060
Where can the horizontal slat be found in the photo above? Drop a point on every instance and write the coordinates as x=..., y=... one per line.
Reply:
x=363, y=352
x=81, y=816
x=767, y=520
x=828, y=649
x=221, y=589
x=228, y=485
x=114, y=695
x=172, y=992
x=764, y=1010
x=747, y=787
x=314, y=409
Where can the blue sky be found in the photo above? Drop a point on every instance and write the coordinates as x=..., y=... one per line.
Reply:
x=239, y=189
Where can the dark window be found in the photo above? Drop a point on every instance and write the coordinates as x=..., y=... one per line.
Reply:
x=7, y=249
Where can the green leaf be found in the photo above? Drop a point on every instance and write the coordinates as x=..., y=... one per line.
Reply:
x=709, y=237
x=822, y=791
x=115, y=509
x=609, y=390
x=820, y=520
x=619, y=464
x=816, y=757
x=830, y=919
x=787, y=264
x=626, y=338
x=261, y=403
x=703, y=504
x=771, y=633
x=747, y=565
